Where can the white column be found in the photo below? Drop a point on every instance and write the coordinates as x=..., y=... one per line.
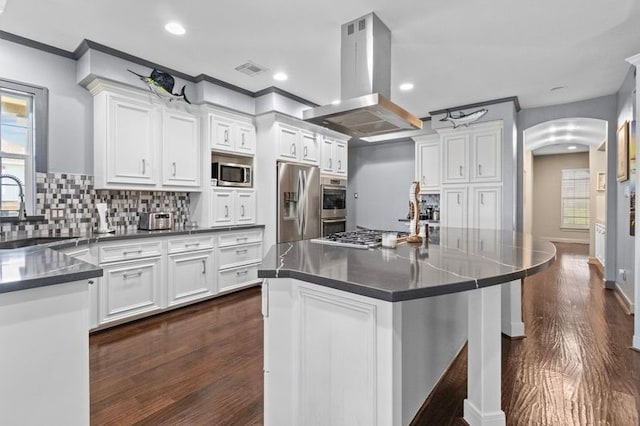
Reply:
x=635, y=60
x=512, y=324
x=482, y=406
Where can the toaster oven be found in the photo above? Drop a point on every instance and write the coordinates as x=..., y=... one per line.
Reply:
x=155, y=221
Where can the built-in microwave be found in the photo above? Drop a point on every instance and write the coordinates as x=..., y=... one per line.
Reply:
x=230, y=174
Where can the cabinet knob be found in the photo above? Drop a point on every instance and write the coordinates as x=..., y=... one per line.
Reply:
x=91, y=282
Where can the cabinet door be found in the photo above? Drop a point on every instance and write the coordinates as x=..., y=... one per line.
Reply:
x=180, y=149
x=288, y=142
x=221, y=129
x=456, y=157
x=487, y=207
x=222, y=207
x=310, y=147
x=340, y=155
x=234, y=278
x=428, y=162
x=245, y=208
x=245, y=138
x=486, y=150
x=130, y=288
x=454, y=210
x=327, y=155
x=131, y=142
x=190, y=277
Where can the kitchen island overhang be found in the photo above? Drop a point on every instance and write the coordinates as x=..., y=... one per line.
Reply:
x=323, y=305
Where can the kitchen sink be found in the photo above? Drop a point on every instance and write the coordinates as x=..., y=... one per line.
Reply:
x=34, y=241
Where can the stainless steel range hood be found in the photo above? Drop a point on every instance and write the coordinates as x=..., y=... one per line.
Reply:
x=365, y=74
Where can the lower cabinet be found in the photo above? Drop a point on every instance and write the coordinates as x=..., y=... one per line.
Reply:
x=130, y=288
x=239, y=256
x=233, y=207
x=190, y=276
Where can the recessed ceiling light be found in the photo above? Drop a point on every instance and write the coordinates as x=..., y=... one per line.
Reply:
x=553, y=89
x=572, y=147
x=3, y=4
x=175, y=28
x=280, y=76
x=335, y=102
x=405, y=87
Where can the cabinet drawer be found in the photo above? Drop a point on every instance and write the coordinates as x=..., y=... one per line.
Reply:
x=241, y=237
x=179, y=245
x=238, y=255
x=130, y=251
x=230, y=279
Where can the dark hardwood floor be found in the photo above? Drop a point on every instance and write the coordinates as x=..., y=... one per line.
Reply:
x=202, y=365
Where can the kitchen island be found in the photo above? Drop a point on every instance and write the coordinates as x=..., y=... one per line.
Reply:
x=358, y=336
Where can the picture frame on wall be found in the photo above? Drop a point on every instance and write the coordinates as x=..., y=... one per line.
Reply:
x=623, y=152
x=601, y=181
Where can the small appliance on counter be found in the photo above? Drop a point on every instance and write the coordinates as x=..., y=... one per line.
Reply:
x=155, y=221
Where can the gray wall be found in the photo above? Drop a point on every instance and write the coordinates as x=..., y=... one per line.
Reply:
x=547, y=190
x=603, y=108
x=381, y=174
x=625, y=247
x=70, y=106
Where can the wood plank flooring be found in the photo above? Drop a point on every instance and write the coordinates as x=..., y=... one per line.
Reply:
x=202, y=365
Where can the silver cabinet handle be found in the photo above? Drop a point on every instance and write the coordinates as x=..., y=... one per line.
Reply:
x=242, y=251
x=294, y=148
x=305, y=152
x=460, y=170
x=226, y=135
x=240, y=273
x=339, y=164
x=144, y=167
x=242, y=238
x=424, y=181
x=242, y=142
x=126, y=252
x=330, y=163
x=458, y=198
x=481, y=198
x=242, y=210
x=226, y=211
x=131, y=275
x=192, y=244
x=174, y=168
x=204, y=267
x=479, y=169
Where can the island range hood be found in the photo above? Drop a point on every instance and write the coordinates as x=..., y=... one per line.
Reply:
x=365, y=87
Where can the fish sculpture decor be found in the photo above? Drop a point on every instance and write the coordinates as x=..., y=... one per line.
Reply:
x=162, y=84
x=461, y=119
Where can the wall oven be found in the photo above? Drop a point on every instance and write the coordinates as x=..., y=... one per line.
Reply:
x=230, y=174
x=331, y=226
x=333, y=193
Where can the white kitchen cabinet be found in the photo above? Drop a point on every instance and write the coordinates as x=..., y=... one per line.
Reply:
x=84, y=254
x=486, y=207
x=239, y=255
x=472, y=154
x=130, y=288
x=130, y=141
x=231, y=134
x=190, y=276
x=454, y=208
x=334, y=156
x=296, y=144
x=180, y=149
x=601, y=240
x=233, y=207
x=427, y=154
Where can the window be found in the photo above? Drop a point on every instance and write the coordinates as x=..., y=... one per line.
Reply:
x=575, y=199
x=23, y=118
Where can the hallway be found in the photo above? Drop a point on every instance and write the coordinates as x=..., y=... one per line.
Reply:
x=573, y=368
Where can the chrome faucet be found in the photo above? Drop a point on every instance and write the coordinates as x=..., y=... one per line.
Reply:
x=22, y=212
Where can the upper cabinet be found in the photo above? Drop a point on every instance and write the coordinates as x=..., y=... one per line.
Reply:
x=231, y=134
x=143, y=143
x=428, y=162
x=296, y=144
x=334, y=156
x=472, y=154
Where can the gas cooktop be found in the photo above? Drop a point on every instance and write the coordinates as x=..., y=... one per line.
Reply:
x=361, y=239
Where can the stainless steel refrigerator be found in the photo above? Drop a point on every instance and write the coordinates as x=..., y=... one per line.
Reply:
x=298, y=202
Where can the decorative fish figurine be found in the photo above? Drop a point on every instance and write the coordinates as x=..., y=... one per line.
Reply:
x=161, y=84
x=462, y=119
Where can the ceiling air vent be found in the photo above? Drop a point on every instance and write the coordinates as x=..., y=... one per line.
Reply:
x=251, y=68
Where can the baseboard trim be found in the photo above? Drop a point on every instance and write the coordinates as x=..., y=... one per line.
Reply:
x=473, y=416
x=627, y=305
x=513, y=330
x=636, y=343
x=566, y=240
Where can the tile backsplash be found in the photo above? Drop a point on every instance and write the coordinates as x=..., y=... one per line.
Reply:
x=74, y=197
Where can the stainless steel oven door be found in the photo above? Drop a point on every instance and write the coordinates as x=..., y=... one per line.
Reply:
x=334, y=202
x=331, y=226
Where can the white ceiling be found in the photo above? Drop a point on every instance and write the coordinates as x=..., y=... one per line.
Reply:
x=455, y=53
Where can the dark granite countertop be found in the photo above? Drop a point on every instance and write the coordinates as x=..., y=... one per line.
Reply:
x=43, y=265
x=452, y=260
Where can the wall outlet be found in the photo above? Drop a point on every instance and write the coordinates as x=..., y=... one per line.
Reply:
x=623, y=274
